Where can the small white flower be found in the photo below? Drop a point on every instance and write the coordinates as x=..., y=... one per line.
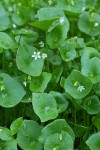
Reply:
x=36, y=55
x=44, y=55
x=14, y=26
x=10, y=9
x=0, y=130
x=96, y=24
x=61, y=19
x=83, y=8
x=81, y=88
x=41, y=44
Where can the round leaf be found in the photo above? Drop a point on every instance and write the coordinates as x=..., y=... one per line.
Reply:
x=39, y=84
x=94, y=141
x=71, y=7
x=45, y=106
x=67, y=51
x=87, y=23
x=12, y=93
x=26, y=63
x=92, y=105
x=59, y=141
x=27, y=136
x=62, y=103
x=6, y=41
x=59, y=33
x=77, y=85
x=92, y=70
x=57, y=126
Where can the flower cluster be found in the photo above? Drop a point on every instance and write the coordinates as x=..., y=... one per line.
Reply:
x=37, y=55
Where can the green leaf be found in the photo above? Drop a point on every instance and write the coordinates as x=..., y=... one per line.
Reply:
x=39, y=84
x=45, y=106
x=48, y=13
x=58, y=33
x=11, y=92
x=92, y=69
x=94, y=141
x=26, y=63
x=5, y=134
x=56, y=74
x=20, y=16
x=89, y=23
x=6, y=41
x=43, y=25
x=10, y=145
x=75, y=82
x=4, y=22
x=71, y=7
x=92, y=105
x=79, y=130
x=57, y=126
x=27, y=136
x=67, y=51
x=15, y=125
x=55, y=60
x=89, y=53
x=59, y=141
x=96, y=122
x=62, y=103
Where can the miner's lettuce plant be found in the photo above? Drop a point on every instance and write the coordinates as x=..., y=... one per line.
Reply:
x=49, y=75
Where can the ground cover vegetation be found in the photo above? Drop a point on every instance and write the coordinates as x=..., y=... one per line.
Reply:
x=49, y=74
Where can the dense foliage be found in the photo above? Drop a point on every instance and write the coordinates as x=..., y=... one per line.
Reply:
x=49, y=74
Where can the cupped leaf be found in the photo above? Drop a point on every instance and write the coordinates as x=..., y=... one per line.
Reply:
x=77, y=85
x=71, y=7
x=57, y=126
x=92, y=70
x=26, y=63
x=49, y=13
x=39, y=84
x=11, y=92
x=58, y=33
x=45, y=106
x=92, y=105
x=59, y=141
x=94, y=141
x=62, y=102
x=89, y=23
x=6, y=41
x=15, y=126
x=67, y=51
x=88, y=53
x=27, y=136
